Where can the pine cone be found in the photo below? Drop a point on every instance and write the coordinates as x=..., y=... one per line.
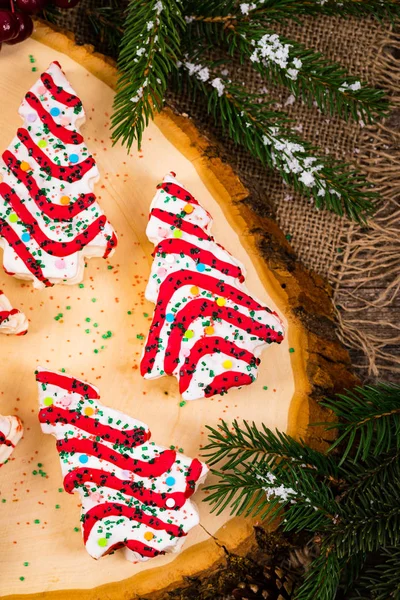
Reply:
x=276, y=585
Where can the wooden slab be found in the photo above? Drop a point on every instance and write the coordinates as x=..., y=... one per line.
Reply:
x=38, y=519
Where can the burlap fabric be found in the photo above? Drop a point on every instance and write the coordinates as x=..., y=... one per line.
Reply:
x=362, y=265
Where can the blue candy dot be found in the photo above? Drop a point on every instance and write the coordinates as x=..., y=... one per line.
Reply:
x=170, y=481
x=74, y=158
x=200, y=267
x=83, y=458
x=169, y=317
x=55, y=111
x=25, y=237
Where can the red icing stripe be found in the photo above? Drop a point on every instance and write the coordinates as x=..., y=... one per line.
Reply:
x=70, y=173
x=21, y=250
x=69, y=384
x=5, y=314
x=135, y=546
x=202, y=308
x=53, y=211
x=179, y=223
x=128, y=438
x=62, y=133
x=154, y=468
x=51, y=246
x=79, y=477
x=179, y=192
x=192, y=477
x=111, y=243
x=176, y=246
x=4, y=441
x=177, y=280
x=113, y=509
x=210, y=345
x=223, y=382
x=58, y=92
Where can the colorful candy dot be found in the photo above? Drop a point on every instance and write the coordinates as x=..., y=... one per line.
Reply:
x=83, y=458
x=170, y=502
x=60, y=263
x=148, y=536
x=221, y=301
x=25, y=237
x=65, y=200
x=200, y=267
x=42, y=143
x=227, y=364
x=209, y=330
x=55, y=111
x=89, y=411
x=24, y=166
x=102, y=542
x=31, y=118
x=13, y=218
x=177, y=233
x=169, y=317
x=188, y=209
x=161, y=272
x=73, y=158
x=48, y=401
x=194, y=290
x=170, y=481
x=189, y=333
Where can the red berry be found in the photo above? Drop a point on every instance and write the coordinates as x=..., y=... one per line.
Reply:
x=25, y=24
x=31, y=7
x=8, y=25
x=65, y=3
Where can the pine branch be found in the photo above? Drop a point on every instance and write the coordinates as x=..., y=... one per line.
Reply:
x=322, y=580
x=304, y=72
x=371, y=415
x=262, y=448
x=150, y=48
x=265, y=133
x=309, y=504
x=375, y=473
x=268, y=11
x=381, y=581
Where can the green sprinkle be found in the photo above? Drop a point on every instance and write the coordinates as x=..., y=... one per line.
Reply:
x=60, y=490
x=182, y=403
x=140, y=336
x=76, y=528
x=94, y=299
x=95, y=351
x=34, y=472
x=81, y=285
x=58, y=506
x=129, y=312
x=88, y=319
x=23, y=578
x=26, y=564
x=145, y=315
x=40, y=464
x=95, y=324
x=110, y=267
x=87, y=330
x=291, y=350
x=288, y=237
x=68, y=307
x=34, y=69
x=3, y=500
x=265, y=387
x=62, y=370
x=37, y=521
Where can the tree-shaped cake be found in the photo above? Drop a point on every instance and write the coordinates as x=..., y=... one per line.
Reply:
x=49, y=218
x=135, y=494
x=11, y=319
x=11, y=431
x=207, y=330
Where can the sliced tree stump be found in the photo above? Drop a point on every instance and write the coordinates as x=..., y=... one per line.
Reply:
x=40, y=522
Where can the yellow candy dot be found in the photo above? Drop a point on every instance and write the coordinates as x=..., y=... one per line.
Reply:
x=209, y=330
x=227, y=364
x=13, y=218
x=188, y=209
x=42, y=143
x=89, y=411
x=24, y=166
x=189, y=333
x=177, y=233
x=65, y=200
x=221, y=301
x=148, y=536
x=48, y=401
x=102, y=542
x=194, y=290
